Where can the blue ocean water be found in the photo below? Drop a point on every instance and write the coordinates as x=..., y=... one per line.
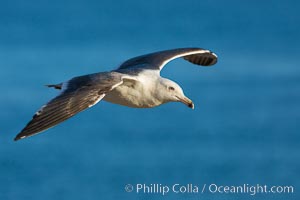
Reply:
x=244, y=129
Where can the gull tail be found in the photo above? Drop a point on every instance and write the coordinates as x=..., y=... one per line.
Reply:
x=56, y=86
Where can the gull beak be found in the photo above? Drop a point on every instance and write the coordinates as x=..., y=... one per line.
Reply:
x=187, y=102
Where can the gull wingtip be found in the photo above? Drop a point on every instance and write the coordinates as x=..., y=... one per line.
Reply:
x=19, y=137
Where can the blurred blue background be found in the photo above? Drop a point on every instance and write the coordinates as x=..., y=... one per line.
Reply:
x=244, y=130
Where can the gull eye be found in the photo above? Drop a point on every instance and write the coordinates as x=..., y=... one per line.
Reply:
x=171, y=88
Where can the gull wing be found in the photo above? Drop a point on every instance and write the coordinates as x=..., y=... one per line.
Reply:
x=79, y=94
x=157, y=60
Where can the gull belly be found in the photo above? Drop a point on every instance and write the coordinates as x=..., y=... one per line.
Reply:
x=135, y=94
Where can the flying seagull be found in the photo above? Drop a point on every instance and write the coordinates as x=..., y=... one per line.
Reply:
x=136, y=83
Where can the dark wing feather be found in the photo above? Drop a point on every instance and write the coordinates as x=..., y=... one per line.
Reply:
x=204, y=59
x=80, y=94
x=159, y=59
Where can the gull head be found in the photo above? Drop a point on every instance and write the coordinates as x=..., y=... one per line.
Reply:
x=172, y=92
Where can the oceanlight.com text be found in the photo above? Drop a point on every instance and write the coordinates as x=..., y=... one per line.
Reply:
x=164, y=189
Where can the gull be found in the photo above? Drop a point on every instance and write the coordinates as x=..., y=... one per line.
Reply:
x=135, y=83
